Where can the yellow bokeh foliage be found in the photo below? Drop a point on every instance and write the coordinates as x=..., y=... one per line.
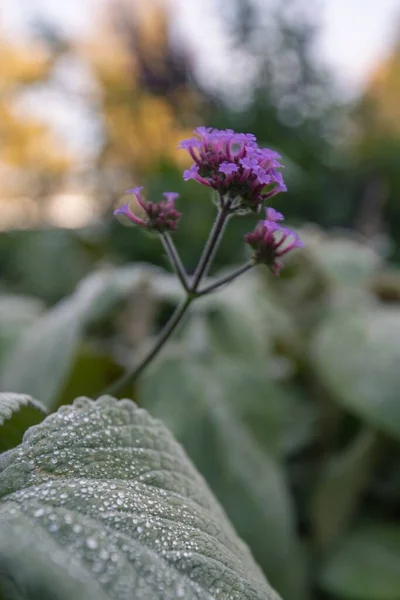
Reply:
x=26, y=143
x=140, y=126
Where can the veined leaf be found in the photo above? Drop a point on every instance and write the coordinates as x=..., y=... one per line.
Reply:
x=102, y=494
x=206, y=407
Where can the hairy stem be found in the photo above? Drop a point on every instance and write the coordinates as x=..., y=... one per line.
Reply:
x=211, y=246
x=175, y=259
x=191, y=293
x=230, y=277
x=130, y=377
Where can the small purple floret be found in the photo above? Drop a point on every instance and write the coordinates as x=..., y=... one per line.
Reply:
x=126, y=212
x=228, y=168
x=191, y=173
x=273, y=215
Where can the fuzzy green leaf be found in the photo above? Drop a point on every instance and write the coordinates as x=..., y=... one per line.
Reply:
x=103, y=494
x=43, y=358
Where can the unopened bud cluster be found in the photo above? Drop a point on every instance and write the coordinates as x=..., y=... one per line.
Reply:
x=160, y=217
x=270, y=241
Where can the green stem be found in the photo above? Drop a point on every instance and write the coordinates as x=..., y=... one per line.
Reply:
x=130, y=377
x=174, y=259
x=214, y=286
x=191, y=293
x=211, y=246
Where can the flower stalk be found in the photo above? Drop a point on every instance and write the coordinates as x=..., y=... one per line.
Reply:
x=175, y=260
x=211, y=246
x=191, y=294
x=244, y=176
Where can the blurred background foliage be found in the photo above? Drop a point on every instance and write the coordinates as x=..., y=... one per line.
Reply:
x=285, y=392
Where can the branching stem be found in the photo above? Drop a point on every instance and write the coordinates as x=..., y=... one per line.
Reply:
x=191, y=289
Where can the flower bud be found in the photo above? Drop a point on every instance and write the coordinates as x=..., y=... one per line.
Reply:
x=270, y=241
x=160, y=217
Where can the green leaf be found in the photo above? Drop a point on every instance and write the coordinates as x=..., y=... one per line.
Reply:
x=366, y=565
x=103, y=494
x=42, y=360
x=357, y=355
x=244, y=318
x=212, y=409
x=301, y=421
x=92, y=370
x=18, y=412
x=343, y=260
x=339, y=489
x=16, y=314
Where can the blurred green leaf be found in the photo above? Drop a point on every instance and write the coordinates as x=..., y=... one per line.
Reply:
x=208, y=406
x=343, y=260
x=338, y=491
x=16, y=314
x=91, y=371
x=18, y=412
x=43, y=357
x=365, y=565
x=244, y=316
x=300, y=423
x=357, y=354
x=47, y=263
x=103, y=495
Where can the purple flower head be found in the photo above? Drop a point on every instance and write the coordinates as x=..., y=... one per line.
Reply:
x=160, y=217
x=270, y=241
x=234, y=165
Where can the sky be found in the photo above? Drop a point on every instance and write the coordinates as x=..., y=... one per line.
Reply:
x=355, y=34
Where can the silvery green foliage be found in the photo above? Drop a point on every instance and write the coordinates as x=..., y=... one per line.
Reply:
x=16, y=314
x=211, y=409
x=357, y=353
x=365, y=564
x=42, y=358
x=100, y=501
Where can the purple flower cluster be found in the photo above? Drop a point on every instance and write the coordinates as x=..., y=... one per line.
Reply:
x=270, y=241
x=244, y=175
x=160, y=217
x=234, y=165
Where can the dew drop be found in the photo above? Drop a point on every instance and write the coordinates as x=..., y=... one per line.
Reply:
x=91, y=543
